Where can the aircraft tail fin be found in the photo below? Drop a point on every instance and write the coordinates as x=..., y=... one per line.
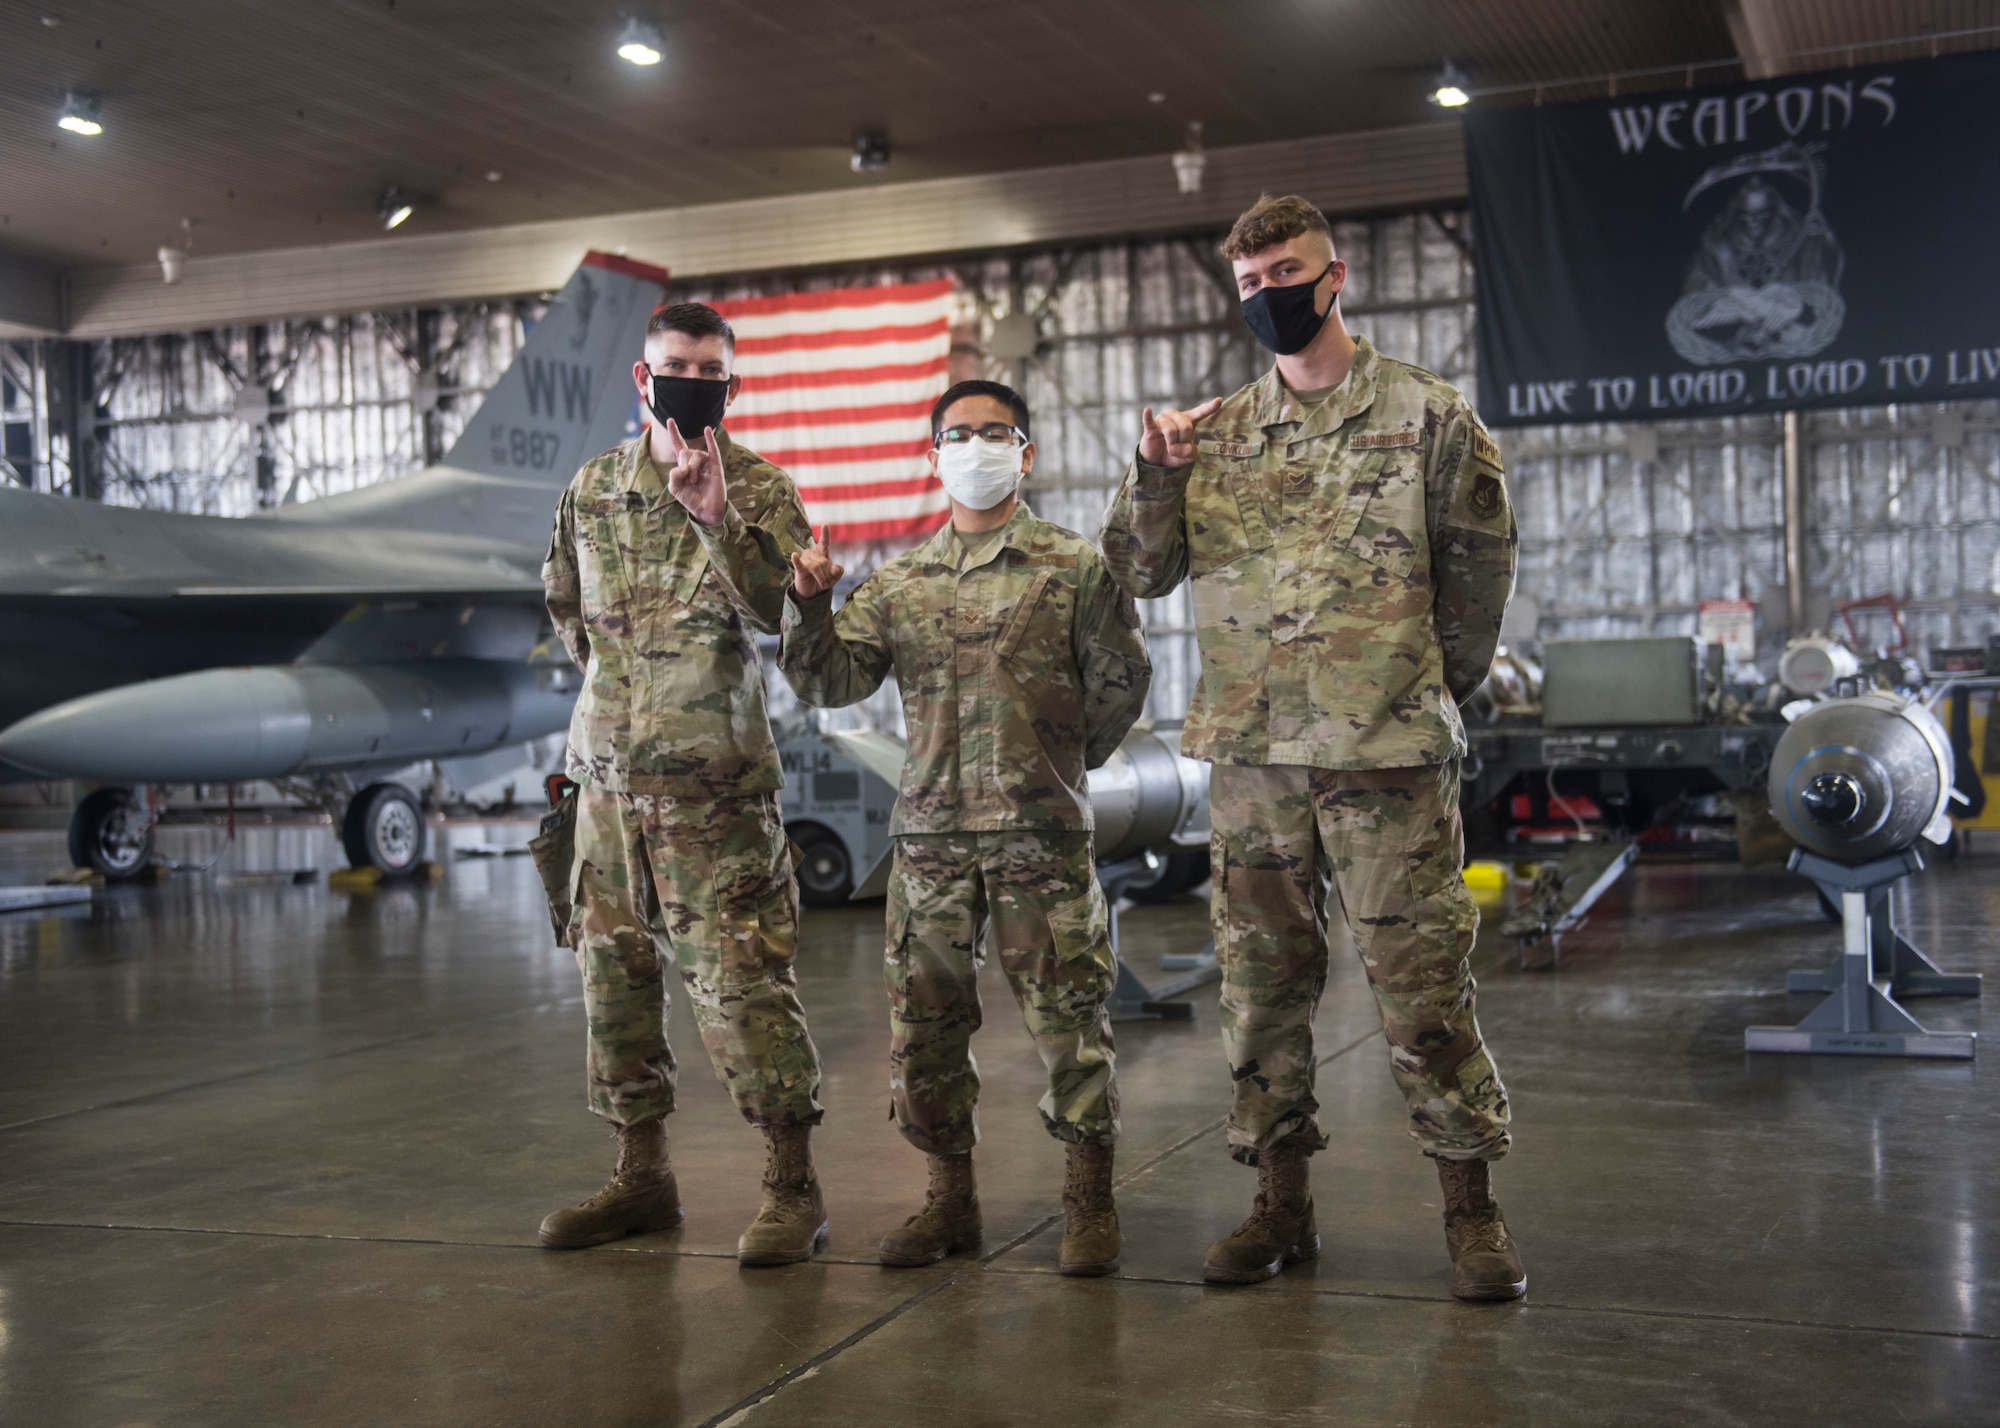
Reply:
x=567, y=396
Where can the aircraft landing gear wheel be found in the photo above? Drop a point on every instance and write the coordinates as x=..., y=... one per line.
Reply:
x=111, y=834
x=826, y=872
x=384, y=828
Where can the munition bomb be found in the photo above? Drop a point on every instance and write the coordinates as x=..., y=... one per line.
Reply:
x=1861, y=778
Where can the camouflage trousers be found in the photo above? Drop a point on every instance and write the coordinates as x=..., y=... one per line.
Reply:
x=1388, y=845
x=706, y=886
x=1033, y=896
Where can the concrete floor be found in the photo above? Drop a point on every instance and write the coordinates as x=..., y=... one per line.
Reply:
x=271, y=1154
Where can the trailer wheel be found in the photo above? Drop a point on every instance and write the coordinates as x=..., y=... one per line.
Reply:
x=826, y=871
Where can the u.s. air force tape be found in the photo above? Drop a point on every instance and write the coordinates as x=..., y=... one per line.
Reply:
x=1375, y=440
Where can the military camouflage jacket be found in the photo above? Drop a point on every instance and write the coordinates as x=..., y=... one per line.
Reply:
x=673, y=696
x=1021, y=665
x=1350, y=565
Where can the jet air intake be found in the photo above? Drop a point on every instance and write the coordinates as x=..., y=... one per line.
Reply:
x=236, y=725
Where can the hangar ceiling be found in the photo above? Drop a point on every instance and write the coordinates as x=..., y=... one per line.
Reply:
x=277, y=126
x=273, y=125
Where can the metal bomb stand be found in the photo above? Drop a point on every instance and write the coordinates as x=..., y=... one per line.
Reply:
x=1857, y=782
x=1147, y=798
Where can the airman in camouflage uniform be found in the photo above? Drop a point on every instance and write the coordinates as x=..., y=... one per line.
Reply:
x=681, y=855
x=1351, y=550
x=1021, y=665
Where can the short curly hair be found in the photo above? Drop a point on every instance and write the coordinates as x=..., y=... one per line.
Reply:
x=1270, y=221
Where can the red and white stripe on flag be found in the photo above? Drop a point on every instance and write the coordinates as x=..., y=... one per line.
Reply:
x=837, y=390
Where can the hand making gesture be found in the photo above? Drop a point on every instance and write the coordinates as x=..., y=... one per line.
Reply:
x=1168, y=439
x=813, y=570
x=696, y=480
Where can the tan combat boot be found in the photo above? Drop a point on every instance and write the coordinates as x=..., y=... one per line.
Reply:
x=1280, y=1230
x=1484, y=1262
x=791, y=1223
x=641, y=1196
x=1090, y=1241
x=949, y=1222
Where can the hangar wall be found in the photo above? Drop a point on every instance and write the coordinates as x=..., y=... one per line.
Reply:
x=1625, y=528
x=232, y=421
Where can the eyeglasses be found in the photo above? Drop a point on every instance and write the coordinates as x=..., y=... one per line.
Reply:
x=996, y=432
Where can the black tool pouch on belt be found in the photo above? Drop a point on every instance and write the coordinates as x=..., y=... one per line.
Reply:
x=554, y=852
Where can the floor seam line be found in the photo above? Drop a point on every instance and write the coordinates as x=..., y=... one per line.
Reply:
x=1133, y=1174
x=742, y=1407
x=1630, y=1311
x=1771, y=1321
x=1028, y=1234
x=254, y=1071
x=1152, y=1162
x=1161, y=1156
x=1361, y=1040
x=8, y=1224
x=627, y=1246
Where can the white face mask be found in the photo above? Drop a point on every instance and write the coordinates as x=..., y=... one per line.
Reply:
x=979, y=474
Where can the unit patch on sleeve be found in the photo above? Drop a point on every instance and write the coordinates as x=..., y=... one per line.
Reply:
x=1485, y=495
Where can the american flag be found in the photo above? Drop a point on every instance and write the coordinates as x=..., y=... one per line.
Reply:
x=837, y=390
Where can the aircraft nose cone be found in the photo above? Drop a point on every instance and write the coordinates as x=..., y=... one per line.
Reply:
x=217, y=726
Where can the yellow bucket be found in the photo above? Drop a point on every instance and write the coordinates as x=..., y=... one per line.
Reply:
x=1486, y=877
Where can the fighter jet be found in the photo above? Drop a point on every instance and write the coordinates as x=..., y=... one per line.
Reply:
x=331, y=642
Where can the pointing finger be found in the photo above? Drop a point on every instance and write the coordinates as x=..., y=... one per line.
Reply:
x=1206, y=409
x=713, y=449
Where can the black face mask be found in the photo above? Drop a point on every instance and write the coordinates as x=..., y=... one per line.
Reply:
x=692, y=403
x=1284, y=319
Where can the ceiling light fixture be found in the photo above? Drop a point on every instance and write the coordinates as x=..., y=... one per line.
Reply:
x=1450, y=90
x=79, y=114
x=1191, y=161
x=640, y=42
x=394, y=208
x=871, y=154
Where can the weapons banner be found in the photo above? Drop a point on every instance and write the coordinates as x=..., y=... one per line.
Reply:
x=1814, y=240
